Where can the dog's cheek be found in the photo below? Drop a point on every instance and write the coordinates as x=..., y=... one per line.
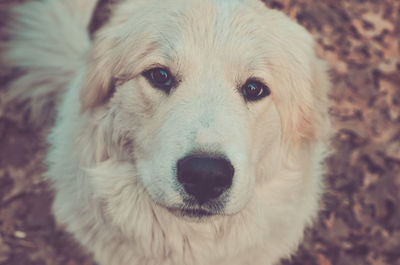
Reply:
x=135, y=103
x=118, y=191
x=267, y=142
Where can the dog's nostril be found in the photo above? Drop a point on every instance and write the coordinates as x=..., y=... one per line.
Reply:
x=205, y=178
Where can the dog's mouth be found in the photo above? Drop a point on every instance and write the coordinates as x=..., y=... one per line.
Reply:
x=195, y=213
x=192, y=213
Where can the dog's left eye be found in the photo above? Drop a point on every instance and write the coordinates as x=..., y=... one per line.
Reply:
x=254, y=90
x=160, y=78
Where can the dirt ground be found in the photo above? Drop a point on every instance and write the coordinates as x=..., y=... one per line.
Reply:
x=360, y=220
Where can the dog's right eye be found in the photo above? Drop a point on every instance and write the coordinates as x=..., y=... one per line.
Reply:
x=160, y=78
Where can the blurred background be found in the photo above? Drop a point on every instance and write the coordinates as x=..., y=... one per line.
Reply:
x=359, y=223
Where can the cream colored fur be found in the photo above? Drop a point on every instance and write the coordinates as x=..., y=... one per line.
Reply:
x=116, y=139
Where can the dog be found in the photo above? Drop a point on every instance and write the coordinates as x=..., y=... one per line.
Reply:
x=188, y=132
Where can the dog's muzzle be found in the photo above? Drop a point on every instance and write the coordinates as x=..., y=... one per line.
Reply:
x=204, y=178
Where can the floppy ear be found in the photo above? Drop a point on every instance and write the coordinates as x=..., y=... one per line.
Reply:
x=97, y=85
x=115, y=51
x=304, y=113
x=321, y=85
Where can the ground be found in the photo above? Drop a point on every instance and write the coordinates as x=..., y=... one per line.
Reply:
x=360, y=219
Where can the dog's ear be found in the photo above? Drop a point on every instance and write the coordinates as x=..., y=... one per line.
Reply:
x=113, y=54
x=97, y=84
x=305, y=114
x=321, y=85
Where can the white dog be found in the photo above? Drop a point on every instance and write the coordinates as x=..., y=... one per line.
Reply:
x=189, y=132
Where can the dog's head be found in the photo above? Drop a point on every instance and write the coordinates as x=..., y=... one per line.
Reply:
x=205, y=99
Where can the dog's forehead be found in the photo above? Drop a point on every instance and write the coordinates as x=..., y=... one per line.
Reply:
x=243, y=35
x=212, y=29
x=236, y=32
x=206, y=26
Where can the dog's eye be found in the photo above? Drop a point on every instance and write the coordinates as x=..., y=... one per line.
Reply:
x=160, y=78
x=254, y=90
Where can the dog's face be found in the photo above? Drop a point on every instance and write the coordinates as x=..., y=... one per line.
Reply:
x=206, y=97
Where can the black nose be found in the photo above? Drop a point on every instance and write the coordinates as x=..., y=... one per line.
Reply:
x=205, y=177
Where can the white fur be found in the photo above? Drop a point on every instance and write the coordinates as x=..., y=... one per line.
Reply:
x=114, y=150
